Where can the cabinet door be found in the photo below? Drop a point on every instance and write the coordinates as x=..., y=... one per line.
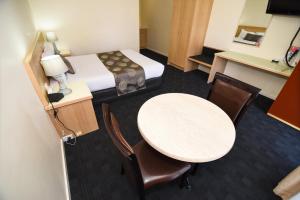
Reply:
x=182, y=20
x=79, y=117
x=199, y=26
x=286, y=107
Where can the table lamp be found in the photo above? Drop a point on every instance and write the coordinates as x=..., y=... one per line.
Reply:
x=54, y=66
x=51, y=37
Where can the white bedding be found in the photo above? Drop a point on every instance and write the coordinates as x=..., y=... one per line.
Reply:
x=90, y=69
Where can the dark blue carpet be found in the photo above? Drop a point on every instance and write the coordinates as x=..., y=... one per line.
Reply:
x=265, y=151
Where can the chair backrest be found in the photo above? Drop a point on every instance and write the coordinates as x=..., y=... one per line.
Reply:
x=130, y=163
x=112, y=127
x=232, y=95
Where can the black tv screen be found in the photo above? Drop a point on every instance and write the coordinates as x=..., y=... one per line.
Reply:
x=284, y=7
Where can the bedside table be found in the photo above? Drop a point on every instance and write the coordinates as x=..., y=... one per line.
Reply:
x=65, y=52
x=75, y=110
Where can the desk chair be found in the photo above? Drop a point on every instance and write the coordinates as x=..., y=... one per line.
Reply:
x=144, y=166
x=232, y=96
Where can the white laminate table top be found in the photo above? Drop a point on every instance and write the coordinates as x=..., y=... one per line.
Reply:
x=186, y=127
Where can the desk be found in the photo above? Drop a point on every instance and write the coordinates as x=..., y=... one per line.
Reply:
x=75, y=110
x=202, y=60
x=265, y=65
x=186, y=127
x=206, y=58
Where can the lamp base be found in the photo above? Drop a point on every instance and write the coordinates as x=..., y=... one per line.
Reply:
x=65, y=91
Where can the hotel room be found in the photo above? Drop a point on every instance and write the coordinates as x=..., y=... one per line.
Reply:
x=150, y=99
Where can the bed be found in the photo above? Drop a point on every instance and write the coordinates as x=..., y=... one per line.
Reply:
x=101, y=81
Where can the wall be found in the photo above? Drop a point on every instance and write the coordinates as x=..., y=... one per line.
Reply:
x=156, y=15
x=254, y=13
x=30, y=151
x=90, y=26
x=222, y=26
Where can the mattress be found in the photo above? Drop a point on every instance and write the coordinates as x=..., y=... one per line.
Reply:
x=91, y=70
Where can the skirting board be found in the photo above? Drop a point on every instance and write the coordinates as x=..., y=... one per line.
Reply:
x=156, y=51
x=283, y=121
x=65, y=169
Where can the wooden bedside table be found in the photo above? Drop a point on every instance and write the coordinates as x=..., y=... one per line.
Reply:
x=75, y=110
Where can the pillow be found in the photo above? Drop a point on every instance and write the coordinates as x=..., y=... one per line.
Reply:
x=71, y=70
x=253, y=37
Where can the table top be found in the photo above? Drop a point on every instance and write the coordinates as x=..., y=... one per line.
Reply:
x=186, y=127
x=256, y=62
x=80, y=92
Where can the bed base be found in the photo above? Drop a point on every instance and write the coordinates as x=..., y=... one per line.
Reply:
x=109, y=95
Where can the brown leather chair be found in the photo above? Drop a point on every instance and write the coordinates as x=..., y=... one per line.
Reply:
x=232, y=95
x=144, y=165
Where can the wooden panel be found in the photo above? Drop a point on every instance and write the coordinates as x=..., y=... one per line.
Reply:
x=199, y=27
x=35, y=70
x=286, y=107
x=176, y=29
x=143, y=38
x=250, y=29
x=189, y=25
x=80, y=117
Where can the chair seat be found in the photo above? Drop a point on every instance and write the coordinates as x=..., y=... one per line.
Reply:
x=157, y=168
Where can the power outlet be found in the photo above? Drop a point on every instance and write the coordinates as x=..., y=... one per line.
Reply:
x=68, y=137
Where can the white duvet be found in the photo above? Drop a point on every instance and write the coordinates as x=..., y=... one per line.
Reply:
x=90, y=69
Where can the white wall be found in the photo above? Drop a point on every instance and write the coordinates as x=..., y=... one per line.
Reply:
x=156, y=15
x=30, y=151
x=254, y=13
x=222, y=26
x=90, y=26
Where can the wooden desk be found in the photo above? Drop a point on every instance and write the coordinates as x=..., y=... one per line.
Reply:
x=75, y=110
x=206, y=58
x=261, y=64
x=195, y=60
x=183, y=127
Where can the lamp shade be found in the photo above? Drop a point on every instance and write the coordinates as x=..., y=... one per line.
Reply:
x=51, y=36
x=54, y=65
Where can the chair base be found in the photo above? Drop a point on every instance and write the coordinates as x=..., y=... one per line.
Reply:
x=185, y=183
x=194, y=169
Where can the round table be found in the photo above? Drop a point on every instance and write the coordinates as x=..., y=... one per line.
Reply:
x=186, y=127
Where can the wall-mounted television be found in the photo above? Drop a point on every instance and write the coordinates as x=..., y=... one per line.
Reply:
x=284, y=7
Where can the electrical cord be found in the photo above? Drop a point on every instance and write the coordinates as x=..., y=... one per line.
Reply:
x=56, y=117
x=287, y=52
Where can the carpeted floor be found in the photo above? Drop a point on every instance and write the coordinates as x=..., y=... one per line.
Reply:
x=265, y=150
